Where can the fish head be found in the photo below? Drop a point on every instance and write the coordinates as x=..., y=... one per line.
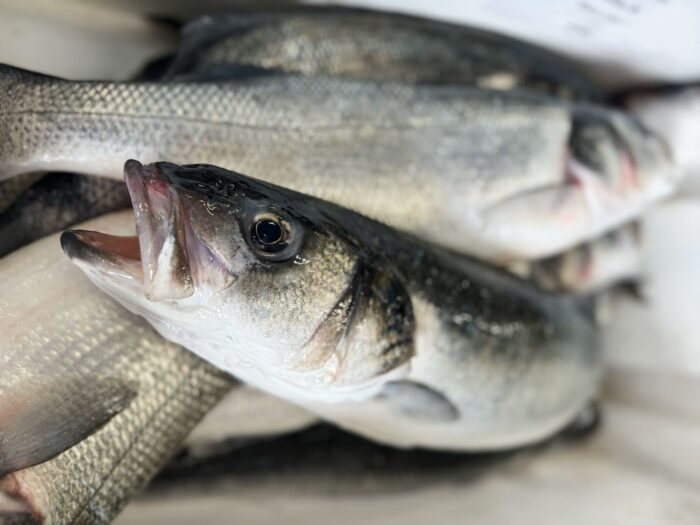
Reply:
x=254, y=279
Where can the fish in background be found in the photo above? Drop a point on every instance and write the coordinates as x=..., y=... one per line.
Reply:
x=13, y=187
x=92, y=401
x=57, y=201
x=360, y=324
x=512, y=175
x=612, y=261
x=674, y=113
x=370, y=45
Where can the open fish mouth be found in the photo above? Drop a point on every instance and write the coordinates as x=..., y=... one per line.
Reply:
x=157, y=257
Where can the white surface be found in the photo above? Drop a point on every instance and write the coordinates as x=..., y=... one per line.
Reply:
x=78, y=41
x=246, y=412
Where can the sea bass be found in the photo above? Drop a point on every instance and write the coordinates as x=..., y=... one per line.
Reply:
x=93, y=402
x=362, y=44
x=512, y=175
x=406, y=343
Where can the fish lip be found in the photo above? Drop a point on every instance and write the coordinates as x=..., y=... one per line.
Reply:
x=150, y=199
x=160, y=226
x=111, y=254
x=157, y=256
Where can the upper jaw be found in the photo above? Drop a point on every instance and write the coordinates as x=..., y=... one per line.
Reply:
x=157, y=257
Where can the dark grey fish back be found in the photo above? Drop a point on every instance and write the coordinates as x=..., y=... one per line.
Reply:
x=371, y=45
x=56, y=202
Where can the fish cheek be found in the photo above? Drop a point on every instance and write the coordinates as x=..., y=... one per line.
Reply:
x=368, y=332
x=214, y=230
x=285, y=303
x=385, y=314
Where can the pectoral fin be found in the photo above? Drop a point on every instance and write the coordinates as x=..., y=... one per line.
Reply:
x=419, y=401
x=39, y=419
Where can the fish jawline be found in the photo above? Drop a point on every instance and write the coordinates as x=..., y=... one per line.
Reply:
x=109, y=254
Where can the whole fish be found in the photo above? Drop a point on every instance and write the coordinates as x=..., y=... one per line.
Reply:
x=359, y=323
x=362, y=44
x=58, y=201
x=92, y=401
x=508, y=175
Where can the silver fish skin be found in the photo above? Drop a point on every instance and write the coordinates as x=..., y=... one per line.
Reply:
x=375, y=45
x=611, y=260
x=57, y=202
x=367, y=327
x=92, y=401
x=511, y=175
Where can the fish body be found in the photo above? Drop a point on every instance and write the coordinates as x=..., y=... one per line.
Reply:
x=407, y=343
x=371, y=45
x=92, y=401
x=56, y=202
x=513, y=175
x=12, y=188
x=607, y=261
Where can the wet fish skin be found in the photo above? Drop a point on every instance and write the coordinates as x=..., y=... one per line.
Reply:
x=606, y=262
x=54, y=328
x=357, y=323
x=58, y=201
x=11, y=188
x=474, y=161
x=361, y=44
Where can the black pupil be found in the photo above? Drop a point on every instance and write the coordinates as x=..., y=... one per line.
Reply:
x=268, y=231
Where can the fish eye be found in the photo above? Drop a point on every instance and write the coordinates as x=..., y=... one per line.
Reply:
x=269, y=232
x=273, y=237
